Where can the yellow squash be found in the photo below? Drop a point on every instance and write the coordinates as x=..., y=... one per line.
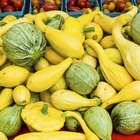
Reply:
x=52, y=56
x=129, y=50
x=60, y=84
x=13, y=75
x=74, y=28
x=107, y=22
x=107, y=42
x=41, y=64
x=9, y=18
x=69, y=100
x=97, y=34
x=47, y=77
x=64, y=43
x=3, y=136
x=3, y=57
x=84, y=19
x=6, y=98
x=129, y=92
x=21, y=95
x=55, y=135
x=89, y=134
x=114, y=55
x=42, y=117
x=116, y=75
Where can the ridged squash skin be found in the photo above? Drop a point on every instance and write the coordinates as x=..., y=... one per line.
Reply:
x=10, y=120
x=24, y=44
x=99, y=121
x=82, y=78
x=126, y=117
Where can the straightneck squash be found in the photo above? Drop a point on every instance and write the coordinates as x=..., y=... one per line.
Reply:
x=54, y=135
x=42, y=117
x=107, y=22
x=69, y=100
x=129, y=92
x=64, y=43
x=90, y=135
x=47, y=77
x=116, y=75
x=129, y=50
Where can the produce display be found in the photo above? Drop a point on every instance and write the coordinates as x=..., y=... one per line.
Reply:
x=10, y=5
x=69, y=78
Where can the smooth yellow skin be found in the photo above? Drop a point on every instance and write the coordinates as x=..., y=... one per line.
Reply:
x=88, y=59
x=47, y=77
x=87, y=18
x=63, y=43
x=104, y=91
x=3, y=57
x=52, y=56
x=13, y=75
x=74, y=28
x=60, y=84
x=107, y=42
x=65, y=99
x=49, y=120
x=41, y=64
x=3, y=136
x=21, y=95
x=55, y=135
x=9, y=18
x=114, y=55
x=6, y=98
x=129, y=92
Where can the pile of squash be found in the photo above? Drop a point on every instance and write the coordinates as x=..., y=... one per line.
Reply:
x=58, y=71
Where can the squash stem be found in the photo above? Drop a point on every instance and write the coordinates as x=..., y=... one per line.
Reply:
x=88, y=30
x=44, y=109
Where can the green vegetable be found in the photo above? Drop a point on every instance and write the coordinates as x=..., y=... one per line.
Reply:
x=10, y=120
x=99, y=121
x=72, y=124
x=126, y=117
x=24, y=44
x=135, y=28
x=82, y=78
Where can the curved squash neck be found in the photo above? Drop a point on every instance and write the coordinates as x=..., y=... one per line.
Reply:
x=89, y=134
x=97, y=48
x=119, y=39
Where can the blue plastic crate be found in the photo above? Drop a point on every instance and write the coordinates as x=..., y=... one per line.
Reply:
x=112, y=14
x=16, y=13
x=78, y=13
x=31, y=7
x=135, y=3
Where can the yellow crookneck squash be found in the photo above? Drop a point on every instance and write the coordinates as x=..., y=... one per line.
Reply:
x=40, y=116
x=130, y=51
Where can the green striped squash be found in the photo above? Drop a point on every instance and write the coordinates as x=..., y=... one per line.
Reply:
x=82, y=78
x=126, y=117
x=24, y=44
x=10, y=120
